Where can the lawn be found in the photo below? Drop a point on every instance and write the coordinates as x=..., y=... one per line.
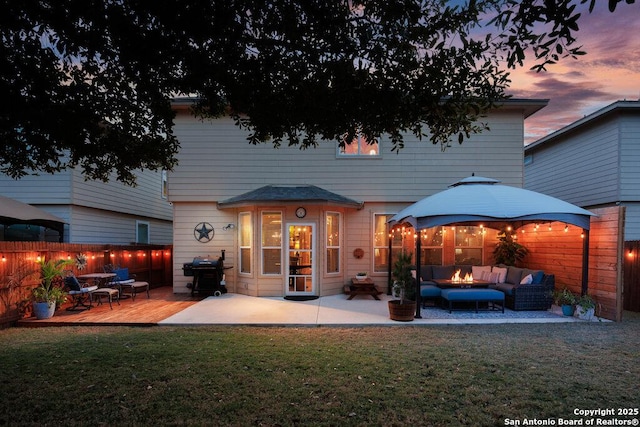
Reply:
x=429, y=375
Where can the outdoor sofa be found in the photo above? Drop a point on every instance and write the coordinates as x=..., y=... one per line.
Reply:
x=521, y=292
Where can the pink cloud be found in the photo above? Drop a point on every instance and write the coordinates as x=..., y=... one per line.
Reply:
x=609, y=72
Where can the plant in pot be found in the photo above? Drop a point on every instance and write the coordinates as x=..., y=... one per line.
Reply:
x=566, y=300
x=49, y=294
x=585, y=307
x=404, y=308
x=361, y=275
x=507, y=250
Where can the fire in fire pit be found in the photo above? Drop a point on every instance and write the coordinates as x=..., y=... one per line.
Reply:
x=468, y=278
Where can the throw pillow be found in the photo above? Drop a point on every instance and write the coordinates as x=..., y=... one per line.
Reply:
x=527, y=280
x=478, y=270
x=122, y=274
x=502, y=273
x=537, y=278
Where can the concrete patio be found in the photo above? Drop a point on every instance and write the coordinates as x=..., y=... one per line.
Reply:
x=336, y=310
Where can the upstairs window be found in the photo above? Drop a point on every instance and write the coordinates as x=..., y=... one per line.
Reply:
x=359, y=147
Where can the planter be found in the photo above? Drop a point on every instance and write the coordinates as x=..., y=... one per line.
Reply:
x=583, y=314
x=402, y=312
x=44, y=310
x=567, y=310
x=361, y=276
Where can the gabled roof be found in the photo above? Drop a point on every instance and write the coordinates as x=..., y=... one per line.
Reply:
x=275, y=194
x=613, y=108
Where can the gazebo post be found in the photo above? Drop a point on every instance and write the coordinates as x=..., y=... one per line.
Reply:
x=418, y=250
x=585, y=262
x=389, y=261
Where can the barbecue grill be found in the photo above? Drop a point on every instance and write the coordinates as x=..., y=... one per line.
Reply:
x=207, y=275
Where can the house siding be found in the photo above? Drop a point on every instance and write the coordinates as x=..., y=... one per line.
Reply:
x=216, y=162
x=97, y=212
x=629, y=126
x=582, y=170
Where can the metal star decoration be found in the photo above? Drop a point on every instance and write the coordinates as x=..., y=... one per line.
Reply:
x=203, y=232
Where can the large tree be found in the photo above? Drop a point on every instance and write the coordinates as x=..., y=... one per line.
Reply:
x=89, y=83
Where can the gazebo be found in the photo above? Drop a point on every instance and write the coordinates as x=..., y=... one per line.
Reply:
x=15, y=212
x=478, y=200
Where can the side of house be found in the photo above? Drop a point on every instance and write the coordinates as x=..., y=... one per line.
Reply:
x=594, y=162
x=303, y=222
x=95, y=212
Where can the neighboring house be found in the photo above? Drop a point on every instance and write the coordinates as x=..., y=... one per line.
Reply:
x=95, y=212
x=593, y=162
x=304, y=222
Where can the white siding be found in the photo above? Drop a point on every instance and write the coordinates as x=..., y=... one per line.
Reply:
x=216, y=162
x=143, y=200
x=100, y=226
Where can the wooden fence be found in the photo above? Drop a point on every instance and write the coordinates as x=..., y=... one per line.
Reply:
x=19, y=271
x=560, y=252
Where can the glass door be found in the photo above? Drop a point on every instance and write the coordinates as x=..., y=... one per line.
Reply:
x=300, y=260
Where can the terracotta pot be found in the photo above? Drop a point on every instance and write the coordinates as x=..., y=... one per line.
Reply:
x=402, y=312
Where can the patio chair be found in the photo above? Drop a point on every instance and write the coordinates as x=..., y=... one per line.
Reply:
x=126, y=282
x=80, y=293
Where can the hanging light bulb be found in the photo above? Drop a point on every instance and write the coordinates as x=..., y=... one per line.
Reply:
x=566, y=228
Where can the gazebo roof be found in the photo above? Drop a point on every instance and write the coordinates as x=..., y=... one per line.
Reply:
x=477, y=199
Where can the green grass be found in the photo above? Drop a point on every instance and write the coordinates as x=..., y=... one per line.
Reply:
x=250, y=376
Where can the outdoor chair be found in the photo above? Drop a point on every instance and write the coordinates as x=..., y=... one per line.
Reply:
x=80, y=293
x=126, y=282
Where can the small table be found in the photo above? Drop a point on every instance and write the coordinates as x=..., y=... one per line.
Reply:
x=363, y=287
x=98, y=278
x=448, y=283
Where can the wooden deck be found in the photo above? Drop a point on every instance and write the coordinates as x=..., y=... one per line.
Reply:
x=141, y=312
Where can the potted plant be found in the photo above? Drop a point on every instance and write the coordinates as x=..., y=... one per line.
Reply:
x=49, y=294
x=585, y=307
x=507, y=250
x=566, y=300
x=404, y=308
x=361, y=276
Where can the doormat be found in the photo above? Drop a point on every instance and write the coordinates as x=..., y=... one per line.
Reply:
x=301, y=297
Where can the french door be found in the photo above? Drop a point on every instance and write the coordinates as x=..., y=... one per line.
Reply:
x=300, y=259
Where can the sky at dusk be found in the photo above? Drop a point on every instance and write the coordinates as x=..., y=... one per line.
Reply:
x=609, y=72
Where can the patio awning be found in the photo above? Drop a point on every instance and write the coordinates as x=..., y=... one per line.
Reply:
x=276, y=194
x=15, y=212
x=482, y=200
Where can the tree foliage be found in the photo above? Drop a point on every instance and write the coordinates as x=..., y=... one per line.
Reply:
x=89, y=83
